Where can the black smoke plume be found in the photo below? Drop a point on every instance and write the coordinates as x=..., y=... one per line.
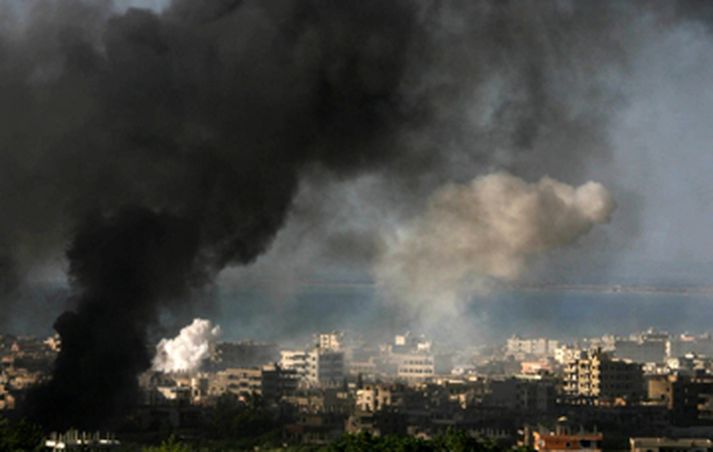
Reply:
x=126, y=264
x=169, y=145
x=189, y=133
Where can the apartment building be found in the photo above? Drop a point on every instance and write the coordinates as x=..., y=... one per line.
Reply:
x=594, y=374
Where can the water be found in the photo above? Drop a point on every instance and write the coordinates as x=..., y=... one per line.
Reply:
x=557, y=314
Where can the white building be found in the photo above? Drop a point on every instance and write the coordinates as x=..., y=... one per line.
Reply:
x=565, y=353
x=414, y=366
x=539, y=347
x=317, y=366
x=296, y=360
x=332, y=341
x=373, y=397
x=595, y=374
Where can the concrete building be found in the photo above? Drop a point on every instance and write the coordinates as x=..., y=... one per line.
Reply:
x=670, y=444
x=325, y=367
x=647, y=347
x=227, y=355
x=523, y=394
x=538, y=347
x=409, y=343
x=555, y=442
x=594, y=374
x=75, y=440
x=689, y=399
x=268, y=382
x=319, y=366
x=566, y=353
x=373, y=397
x=685, y=344
x=414, y=366
x=297, y=361
x=332, y=341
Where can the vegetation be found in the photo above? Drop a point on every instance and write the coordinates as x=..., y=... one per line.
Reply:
x=170, y=445
x=452, y=441
x=244, y=424
x=19, y=436
x=236, y=427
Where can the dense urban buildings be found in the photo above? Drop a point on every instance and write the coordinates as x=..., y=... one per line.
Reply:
x=540, y=393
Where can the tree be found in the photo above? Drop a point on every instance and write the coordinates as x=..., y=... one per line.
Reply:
x=169, y=445
x=451, y=441
x=19, y=436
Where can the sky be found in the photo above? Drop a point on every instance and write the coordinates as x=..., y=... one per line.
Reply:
x=646, y=95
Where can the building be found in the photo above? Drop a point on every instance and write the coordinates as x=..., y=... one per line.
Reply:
x=230, y=355
x=566, y=353
x=647, y=347
x=670, y=444
x=523, y=348
x=523, y=394
x=325, y=367
x=561, y=442
x=686, y=344
x=332, y=341
x=414, y=366
x=689, y=397
x=269, y=382
x=75, y=440
x=319, y=366
x=241, y=382
x=409, y=343
x=594, y=374
x=374, y=397
x=297, y=361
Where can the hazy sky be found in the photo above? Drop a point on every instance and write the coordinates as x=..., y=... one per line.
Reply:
x=653, y=118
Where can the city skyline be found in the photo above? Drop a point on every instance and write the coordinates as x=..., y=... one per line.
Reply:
x=177, y=175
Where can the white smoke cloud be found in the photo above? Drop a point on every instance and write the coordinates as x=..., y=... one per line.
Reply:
x=488, y=229
x=186, y=351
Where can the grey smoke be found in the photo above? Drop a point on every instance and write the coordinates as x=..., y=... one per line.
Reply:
x=238, y=118
x=488, y=229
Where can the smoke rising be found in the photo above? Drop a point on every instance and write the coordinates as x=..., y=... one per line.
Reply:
x=127, y=265
x=186, y=352
x=171, y=145
x=157, y=148
x=489, y=228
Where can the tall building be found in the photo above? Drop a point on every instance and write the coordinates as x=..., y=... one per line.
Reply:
x=594, y=374
x=326, y=367
x=318, y=366
x=297, y=361
x=416, y=366
x=332, y=341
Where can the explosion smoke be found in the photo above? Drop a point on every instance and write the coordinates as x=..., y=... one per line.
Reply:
x=169, y=145
x=486, y=229
x=187, y=351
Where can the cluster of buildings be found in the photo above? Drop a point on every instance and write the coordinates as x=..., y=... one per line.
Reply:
x=632, y=392
x=647, y=391
x=25, y=361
